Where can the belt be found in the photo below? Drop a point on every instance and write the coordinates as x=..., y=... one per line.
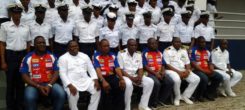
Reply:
x=16, y=52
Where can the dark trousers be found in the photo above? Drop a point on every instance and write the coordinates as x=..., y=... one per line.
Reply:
x=2, y=20
x=114, y=100
x=203, y=89
x=163, y=45
x=15, y=84
x=87, y=48
x=162, y=89
x=59, y=49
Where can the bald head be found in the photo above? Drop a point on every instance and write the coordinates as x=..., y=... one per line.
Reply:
x=152, y=44
x=223, y=44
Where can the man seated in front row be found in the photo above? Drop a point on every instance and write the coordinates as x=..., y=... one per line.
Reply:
x=220, y=59
x=74, y=69
x=40, y=72
x=153, y=63
x=178, y=68
x=130, y=62
x=110, y=76
x=200, y=60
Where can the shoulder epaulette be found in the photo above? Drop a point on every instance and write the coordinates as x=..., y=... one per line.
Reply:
x=122, y=51
x=138, y=52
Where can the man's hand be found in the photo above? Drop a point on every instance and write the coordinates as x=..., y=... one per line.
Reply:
x=230, y=73
x=122, y=84
x=106, y=86
x=43, y=90
x=72, y=89
x=4, y=66
x=96, y=84
x=159, y=76
x=46, y=90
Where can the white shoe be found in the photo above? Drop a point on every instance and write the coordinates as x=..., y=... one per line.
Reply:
x=144, y=108
x=187, y=100
x=232, y=94
x=176, y=102
x=222, y=92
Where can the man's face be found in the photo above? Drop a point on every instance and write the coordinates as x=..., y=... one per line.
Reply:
x=40, y=16
x=186, y=19
x=16, y=16
x=111, y=23
x=73, y=48
x=165, y=2
x=96, y=11
x=224, y=44
x=130, y=22
x=40, y=44
x=25, y=3
x=202, y=43
x=167, y=18
x=177, y=43
x=147, y=20
x=132, y=7
x=132, y=46
x=152, y=44
x=63, y=14
x=76, y=1
x=105, y=47
x=153, y=3
x=87, y=16
x=141, y=2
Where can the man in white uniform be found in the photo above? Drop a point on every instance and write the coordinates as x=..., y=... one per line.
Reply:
x=130, y=62
x=178, y=68
x=220, y=59
x=74, y=69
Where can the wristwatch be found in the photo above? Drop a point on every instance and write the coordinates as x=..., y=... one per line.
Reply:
x=50, y=85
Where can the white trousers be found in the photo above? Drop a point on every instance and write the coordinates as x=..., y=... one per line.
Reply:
x=192, y=79
x=229, y=81
x=94, y=100
x=147, y=84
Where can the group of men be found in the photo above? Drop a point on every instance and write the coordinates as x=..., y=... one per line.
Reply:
x=92, y=45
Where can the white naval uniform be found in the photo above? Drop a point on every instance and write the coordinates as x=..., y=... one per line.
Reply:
x=99, y=20
x=4, y=7
x=221, y=59
x=165, y=31
x=212, y=9
x=86, y=31
x=27, y=17
x=40, y=30
x=184, y=32
x=156, y=14
x=206, y=31
x=178, y=59
x=63, y=30
x=127, y=33
x=177, y=9
x=15, y=37
x=131, y=64
x=146, y=32
x=75, y=12
x=73, y=70
x=51, y=15
x=111, y=35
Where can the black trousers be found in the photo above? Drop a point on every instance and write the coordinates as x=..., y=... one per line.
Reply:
x=114, y=100
x=59, y=49
x=163, y=45
x=162, y=89
x=203, y=89
x=87, y=48
x=15, y=84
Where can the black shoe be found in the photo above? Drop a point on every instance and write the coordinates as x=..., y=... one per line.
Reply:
x=200, y=99
x=210, y=98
